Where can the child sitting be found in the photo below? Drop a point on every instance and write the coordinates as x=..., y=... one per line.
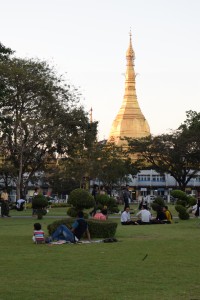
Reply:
x=38, y=234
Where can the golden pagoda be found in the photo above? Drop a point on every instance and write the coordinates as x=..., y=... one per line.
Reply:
x=129, y=122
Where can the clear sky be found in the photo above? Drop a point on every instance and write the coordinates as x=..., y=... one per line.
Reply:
x=88, y=41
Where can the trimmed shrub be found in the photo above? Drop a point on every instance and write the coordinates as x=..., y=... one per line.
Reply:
x=39, y=202
x=192, y=200
x=179, y=195
x=155, y=206
x=157, y=203
x=183, y=199
x=57, y=205
x=81, y=199
x=182, y=212
x=110, y=202
x=179, y=208
x=97, y=228
x=102, y=229
x=72, y=212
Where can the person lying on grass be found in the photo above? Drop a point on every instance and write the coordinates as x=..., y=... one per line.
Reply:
x=79, y=228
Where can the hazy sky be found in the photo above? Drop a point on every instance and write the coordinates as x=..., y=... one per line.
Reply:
x=88, y=41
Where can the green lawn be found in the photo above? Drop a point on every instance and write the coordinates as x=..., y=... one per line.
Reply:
x=101, y=271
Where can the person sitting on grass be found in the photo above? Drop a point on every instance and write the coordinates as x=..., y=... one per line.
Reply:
x=126, y=217
x=167, y=214
x=145, y=216
x=38, y=234
x=79, y=228
x=99, y=215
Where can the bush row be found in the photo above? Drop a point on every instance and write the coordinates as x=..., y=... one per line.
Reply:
x=98, y=229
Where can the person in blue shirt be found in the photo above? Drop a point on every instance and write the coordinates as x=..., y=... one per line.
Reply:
x=79, y=228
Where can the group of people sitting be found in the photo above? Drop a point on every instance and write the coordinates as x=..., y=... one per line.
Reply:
x=145, y=218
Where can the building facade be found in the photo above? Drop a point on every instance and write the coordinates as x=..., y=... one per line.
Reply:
x=149, y=183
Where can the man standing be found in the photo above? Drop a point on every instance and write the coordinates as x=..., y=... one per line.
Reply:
x=126, y=196
x=4, y=204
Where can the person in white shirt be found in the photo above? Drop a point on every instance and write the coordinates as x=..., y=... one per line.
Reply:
x=126, y=217
x=20, y=204
x=145, y=216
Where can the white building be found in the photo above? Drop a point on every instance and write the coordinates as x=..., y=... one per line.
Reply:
x=151, y=183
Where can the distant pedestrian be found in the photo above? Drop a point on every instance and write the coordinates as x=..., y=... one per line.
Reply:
x=126, y=196
x=4, y=204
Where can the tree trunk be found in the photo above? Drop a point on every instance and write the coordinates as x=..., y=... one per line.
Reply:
x=19, y=179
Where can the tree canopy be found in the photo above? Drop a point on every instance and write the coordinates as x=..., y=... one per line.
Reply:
x=176, y=153
x=40, y=116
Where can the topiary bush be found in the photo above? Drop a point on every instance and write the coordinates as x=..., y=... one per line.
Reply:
x=182, y=212
x=179, y=194
x=191, y=200
x=81, y=199
x=184, y=201
x=72, y=212
x=110, y=202
x=157, y=203
x=97, y=228
x=39, y=204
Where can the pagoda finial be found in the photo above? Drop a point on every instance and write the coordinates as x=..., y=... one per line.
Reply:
x=130, y=34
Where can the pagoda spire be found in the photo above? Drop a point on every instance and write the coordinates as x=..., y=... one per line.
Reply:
x=129, y=122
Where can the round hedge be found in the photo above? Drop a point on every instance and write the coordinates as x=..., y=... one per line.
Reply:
x=182, y=212
x=39, y=202
x=81, y=199
x=110, y=202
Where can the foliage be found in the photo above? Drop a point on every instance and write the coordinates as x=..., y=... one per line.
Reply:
x=57, y=205
x=97, y=228
x=81, y=199
x=39, y=202
x=72, y=212
x=113, y=164
x=157, y=203
x=179, y=195
x=177, y=153
x=107, y=162
x=5, y=52
x=183, y=214
x=40, y=114
x=105, y=200
x=183, y=199
x=191, y=200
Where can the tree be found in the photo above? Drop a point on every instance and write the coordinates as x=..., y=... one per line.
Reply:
x=105, y=161
x=5, y=52
x=177, y=153
x=40, y=116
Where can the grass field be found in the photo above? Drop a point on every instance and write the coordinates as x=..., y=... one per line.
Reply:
x=148, y=262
